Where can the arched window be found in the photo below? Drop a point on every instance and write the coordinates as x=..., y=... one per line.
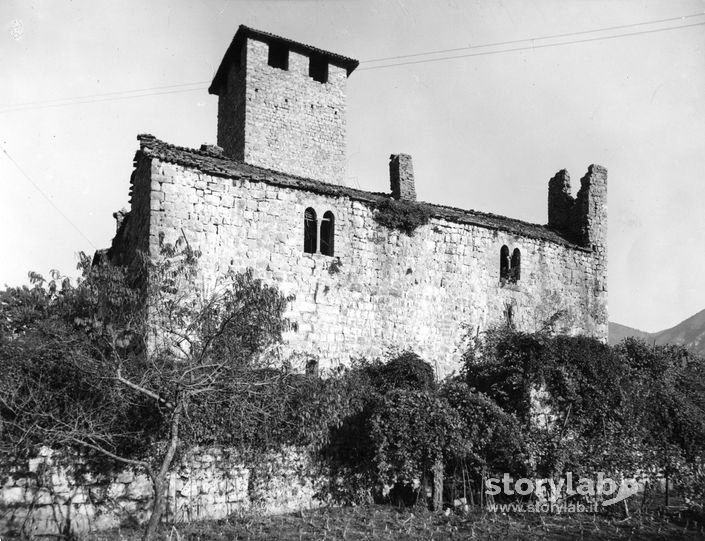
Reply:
x=310, y=231
x=504, y=263
x=515, y=271
x=328, y=234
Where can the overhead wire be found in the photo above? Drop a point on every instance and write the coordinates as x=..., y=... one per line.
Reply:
x=45, y=196
x=537, y=38
x=528, y=47
x=114, y=93
x=200, y=85
x=128, y=94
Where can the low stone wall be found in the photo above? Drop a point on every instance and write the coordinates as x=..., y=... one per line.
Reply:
x=46, y=495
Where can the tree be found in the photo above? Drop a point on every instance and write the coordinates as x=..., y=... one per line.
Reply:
x=134, y=365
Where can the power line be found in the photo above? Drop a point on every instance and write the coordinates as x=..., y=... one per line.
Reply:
x=89, y=99
x=540, y=38
x=515, y=49
x=180, y=88
x=115, y=93
x=45, y=196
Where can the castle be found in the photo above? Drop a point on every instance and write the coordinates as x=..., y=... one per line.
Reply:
x=271, y=197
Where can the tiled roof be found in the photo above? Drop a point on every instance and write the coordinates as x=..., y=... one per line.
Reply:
x=246, y=32
x=212, y=162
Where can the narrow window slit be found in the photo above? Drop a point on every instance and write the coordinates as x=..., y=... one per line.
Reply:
x=504, y=264
x=310, y=231
x=515, y=271
x=328, y=234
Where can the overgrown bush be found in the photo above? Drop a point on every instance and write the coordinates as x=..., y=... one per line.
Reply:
x=404, y=216
x=586, y=407
x=411, y=433
x=404, y=371
x=496, y=442
x=84, y=365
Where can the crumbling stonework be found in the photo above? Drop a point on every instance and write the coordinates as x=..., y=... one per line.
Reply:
x=48, y=496
x=382, y=289
x=367, y=288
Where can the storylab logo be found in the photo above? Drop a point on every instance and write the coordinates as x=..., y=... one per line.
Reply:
x=601, y=489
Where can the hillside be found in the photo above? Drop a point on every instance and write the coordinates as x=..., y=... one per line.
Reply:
x=618, y=332
x=689, y=333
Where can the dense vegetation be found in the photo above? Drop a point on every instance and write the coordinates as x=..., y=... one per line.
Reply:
x=87, y=366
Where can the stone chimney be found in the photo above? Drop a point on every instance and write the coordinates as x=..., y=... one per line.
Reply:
x=401, y=177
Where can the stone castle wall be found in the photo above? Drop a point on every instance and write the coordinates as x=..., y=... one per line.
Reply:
x=284, y=119
x=382, y=289
x=47, y=496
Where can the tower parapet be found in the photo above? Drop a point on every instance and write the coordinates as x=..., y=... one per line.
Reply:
x=282, y=105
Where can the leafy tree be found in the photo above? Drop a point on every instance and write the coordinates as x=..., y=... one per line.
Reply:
x=135, y=371
x=495, y=440
x=411, y=432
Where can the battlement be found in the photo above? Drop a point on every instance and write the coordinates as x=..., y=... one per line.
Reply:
x=282, y=105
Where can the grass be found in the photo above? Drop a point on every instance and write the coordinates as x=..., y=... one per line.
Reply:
x=389, y=523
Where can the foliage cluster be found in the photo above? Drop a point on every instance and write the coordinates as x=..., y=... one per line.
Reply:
x=404, y=216
x=135, y=369
x=410, y=429
x=585, y=407
x=140, y=370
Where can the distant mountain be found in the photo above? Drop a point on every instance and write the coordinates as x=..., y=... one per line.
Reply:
x=618, y=332
x=689, y=333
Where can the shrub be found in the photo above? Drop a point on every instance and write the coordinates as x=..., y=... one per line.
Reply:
x=405, y=371
x=626, y=409
x=405, y=216
x=495, y=440
x=410, y=431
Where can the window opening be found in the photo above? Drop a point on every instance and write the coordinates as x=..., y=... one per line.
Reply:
x=328, y=234
x=310, y=231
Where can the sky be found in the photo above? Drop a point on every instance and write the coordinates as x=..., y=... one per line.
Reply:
x=486, y=129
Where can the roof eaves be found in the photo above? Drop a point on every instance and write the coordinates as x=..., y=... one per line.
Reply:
x=220, y=166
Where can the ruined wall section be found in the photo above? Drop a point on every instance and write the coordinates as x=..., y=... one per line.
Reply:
x=382, y=289
x=133, y=232
x=53, y=495
x=582, y=219
x=293, y=123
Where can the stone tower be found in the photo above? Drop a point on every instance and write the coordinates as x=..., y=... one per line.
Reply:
x=281, y=105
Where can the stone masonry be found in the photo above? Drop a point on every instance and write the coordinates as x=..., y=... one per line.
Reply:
x=379, y=289
x=55, y=496
x=289, y=117
x=401, y=177
x=361, y=288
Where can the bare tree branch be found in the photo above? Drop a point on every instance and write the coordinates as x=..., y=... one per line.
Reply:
x=144, y=391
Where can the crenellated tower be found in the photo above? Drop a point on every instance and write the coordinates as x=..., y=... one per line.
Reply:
x=281, y=105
